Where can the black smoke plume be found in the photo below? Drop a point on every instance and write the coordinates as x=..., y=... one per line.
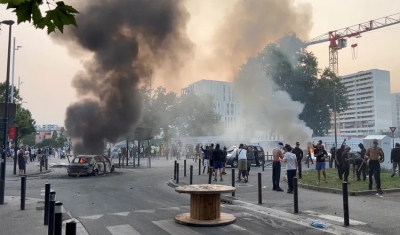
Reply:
x=128, y=39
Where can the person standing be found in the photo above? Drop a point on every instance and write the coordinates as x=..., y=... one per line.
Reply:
x=320, y=155
x=346, y=163
x=218, y=157
x=360, y=164
x=206, y=159
x=256, y=156
x=21, y=161
x=291, y=166
x=241, y=154
x=299, y=155
x=395, y=158
x=276, y=167
x=338, y=160
x=332, y=158
x=224, y=160
x=375, y=156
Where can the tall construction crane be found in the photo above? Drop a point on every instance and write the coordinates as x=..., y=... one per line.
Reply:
x=338, y=38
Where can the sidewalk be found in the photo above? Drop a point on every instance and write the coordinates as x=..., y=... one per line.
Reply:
x=13, y=221
x=325, y=207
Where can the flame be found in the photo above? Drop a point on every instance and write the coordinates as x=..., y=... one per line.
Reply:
x=311, y=150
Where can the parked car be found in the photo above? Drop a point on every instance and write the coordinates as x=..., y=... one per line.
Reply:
x=233, y=160
x=90, y=165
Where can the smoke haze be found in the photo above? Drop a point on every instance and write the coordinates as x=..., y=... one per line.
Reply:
x=128, y=41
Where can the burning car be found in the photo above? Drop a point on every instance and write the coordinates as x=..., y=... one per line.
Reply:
x=90, y=165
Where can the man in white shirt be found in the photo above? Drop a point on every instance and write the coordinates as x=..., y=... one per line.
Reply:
x=291, y=166
x=241, y=154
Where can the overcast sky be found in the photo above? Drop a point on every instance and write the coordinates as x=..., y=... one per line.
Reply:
x=46, y=69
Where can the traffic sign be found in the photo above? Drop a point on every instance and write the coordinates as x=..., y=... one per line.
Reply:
x=392, y=128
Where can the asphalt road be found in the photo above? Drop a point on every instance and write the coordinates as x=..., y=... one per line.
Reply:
x=134, y=202
x=137, y=201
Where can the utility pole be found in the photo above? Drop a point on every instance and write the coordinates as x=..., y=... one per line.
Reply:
x=15, y=48
x=334, y=114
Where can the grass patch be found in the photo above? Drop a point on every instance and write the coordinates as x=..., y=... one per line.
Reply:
x=387, y=182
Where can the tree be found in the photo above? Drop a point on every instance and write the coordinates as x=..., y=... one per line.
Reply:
x=56, y=18
x=295, y=71
x=23, y=119
x=29, y=140
x=197, y=116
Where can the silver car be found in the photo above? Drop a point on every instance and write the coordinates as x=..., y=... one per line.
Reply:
x=90, y=165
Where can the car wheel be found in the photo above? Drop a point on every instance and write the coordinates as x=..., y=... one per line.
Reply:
x=95, y=172
x=234, y=163
x=112, y=169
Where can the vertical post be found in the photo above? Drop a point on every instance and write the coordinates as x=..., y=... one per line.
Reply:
x=233, y=181
x=393, y=138
x=209, y=175
x=191, y=174
x=149, y=162
x=138, y=159
x=23, y=192
x=263, y=164
x=127, y=151
x=15, y=150
x=41, y=164
x=52, y=201
x=175, y=170
x=46, y=162
x=199, y=167
x=119, y=160
x=334, y=114
x=46, y=203
x=12, y=74
x=177, y=173
x=295, y=196
x=5, y=123
x=308, y=160
x=70, y=228
x=345, y=204
x=259, y=189
x=184, y=168
x=58, y=218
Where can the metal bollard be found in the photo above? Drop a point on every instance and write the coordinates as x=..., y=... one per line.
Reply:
x=184, y=168
x=46, y=161
x=209, y=175
x=259, y=189
x=346, y=216
x=52, y=201
x=191, y=174
x=23, y=192
x=199, y=167
x=174, y=170
x=70, y=228
x=41, y=164
x=150, y=162
x=177, y=173
x=233, y=181
x=46, y=204
x=295, y=196
x=263, y=164
x=58, y=218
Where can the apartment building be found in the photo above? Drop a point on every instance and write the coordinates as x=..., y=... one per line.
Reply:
x=47, y=127
x=225, y=104
x=369, y=110
x=396, y=110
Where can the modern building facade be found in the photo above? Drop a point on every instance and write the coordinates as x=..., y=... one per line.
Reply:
x=47, y=127
x=370, y=109
x=396, y=110
x=225, y=103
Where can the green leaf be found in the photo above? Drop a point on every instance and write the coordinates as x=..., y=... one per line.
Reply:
x=24, y=11
x=13, y=2
x=68, y=9
x=36, y=14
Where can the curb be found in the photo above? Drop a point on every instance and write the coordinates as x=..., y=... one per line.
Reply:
x=339, y=191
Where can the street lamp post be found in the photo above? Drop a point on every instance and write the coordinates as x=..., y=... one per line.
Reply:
x=5, y=123
x=15, y=48
x=334, y=115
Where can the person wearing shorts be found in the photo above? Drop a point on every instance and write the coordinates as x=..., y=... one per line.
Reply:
x=320, y=154
x=242, y=162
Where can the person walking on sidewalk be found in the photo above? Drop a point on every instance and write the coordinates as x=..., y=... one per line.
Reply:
x=276, y=167
x=218, y=157
x=395, y=158
x=299, y=155
x=21, y=161
x=291, y=166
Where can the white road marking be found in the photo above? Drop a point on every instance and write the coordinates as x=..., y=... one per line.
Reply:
x=173, y=228
x=232, y=228
x=120, y=213
x=91, y=217
x=125, y=229
x=170, y=208
x=297, y=219
x=146, y=211
x=333, y=218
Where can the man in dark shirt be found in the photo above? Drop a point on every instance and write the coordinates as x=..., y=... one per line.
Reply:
x=299, y=154
x=21, y=161
x=256, y=156
x=346, y=163
x=338, y=160
x=360, y=164
x=395, y=158
x=218, y=158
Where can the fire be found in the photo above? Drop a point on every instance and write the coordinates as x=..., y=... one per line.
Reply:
x=311, y=150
